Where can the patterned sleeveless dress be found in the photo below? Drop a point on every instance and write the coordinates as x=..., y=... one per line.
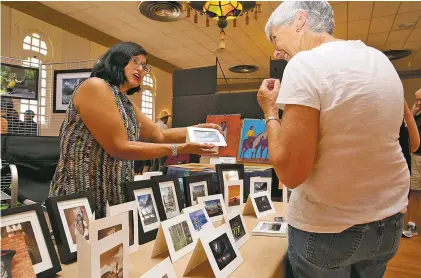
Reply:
x=85, y=166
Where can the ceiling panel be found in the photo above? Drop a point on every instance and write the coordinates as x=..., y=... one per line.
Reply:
x=377, y=39
x=341, y=30
x=198, y=36
x=406, y=18
x=358, y=10
x=413, y=45
x=410, y=6
x=340, y=12
x=357, y=28
x=415, y=35
x=398, y=36
x=384, y=8
x=381, y=24
x=390, y=46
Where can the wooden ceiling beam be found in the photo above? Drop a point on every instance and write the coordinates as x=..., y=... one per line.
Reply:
x=71, y=25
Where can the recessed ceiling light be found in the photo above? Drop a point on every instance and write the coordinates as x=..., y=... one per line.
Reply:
x=244, y=68
x=164, y=11
x=405, y=26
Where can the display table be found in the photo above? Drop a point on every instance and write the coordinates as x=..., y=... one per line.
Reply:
x=263, y=257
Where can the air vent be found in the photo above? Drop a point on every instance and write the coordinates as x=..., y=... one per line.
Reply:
x=397, y=54
x=163, y=11
x=244, y=68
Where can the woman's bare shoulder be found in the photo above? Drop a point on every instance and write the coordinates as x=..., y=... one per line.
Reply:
x=90, y=89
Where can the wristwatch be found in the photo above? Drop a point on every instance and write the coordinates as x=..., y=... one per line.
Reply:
x=174, y=150
x=271, y=118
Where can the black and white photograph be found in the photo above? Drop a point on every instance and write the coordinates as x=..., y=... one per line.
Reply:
x=169, y=199
x=198, y=190
x=222, y=251
x=262, y=203
x=275, y=227
x=19, y=82
x=147, y=211
x=196, y=186
x=65, y=82
x=206, y=136
x=260, y=184
x=272, y=229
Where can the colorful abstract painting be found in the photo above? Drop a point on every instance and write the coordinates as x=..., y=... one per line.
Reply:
x=254, y=142
x=231, y=128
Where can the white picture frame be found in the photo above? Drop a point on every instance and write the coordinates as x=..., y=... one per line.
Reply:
x=149, y=216
x=256, y=184
x=131, y=208
x=205, y=136
x=233, y=194
x=262, y=204
x=173, y=228
x=214, y=206
x=71, y=204
x=148, y=175
x=104, y=227
x=165, y=189
x=198, y=212
x=160, y=270
x=238, y=228
x=210, y=239
x=194, y=185
x=106, y=255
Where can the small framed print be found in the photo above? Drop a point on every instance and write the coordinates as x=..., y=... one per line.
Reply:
x=214, y=206
x=260, y=184
x=206, y=136
x=197, y=186
x=149, y=219
x=30, y=222
x=168, y=195
x=228, y=172
x=70, y=215
x=164, y=269
x=198, y=217
x=131, y=208
x=238, y=228
x=104, y=227
x=233, y=194
x=259, y=203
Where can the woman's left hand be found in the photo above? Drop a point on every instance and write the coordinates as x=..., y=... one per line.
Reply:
x=268, y=93
x=210, y=125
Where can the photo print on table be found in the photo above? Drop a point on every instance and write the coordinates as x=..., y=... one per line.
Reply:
x=214, y=206
x=169, y=199
x=196, y=186
x=235, y=221
x=260, y=184
x=233, y=194
x=262, y=203
x=275, y=227
x=229, y=172
x=147, y=209
x=111, y=262
x=180, y=235
x=222, y=251
x=198, y=189
x=77, y=221
x=198, y=217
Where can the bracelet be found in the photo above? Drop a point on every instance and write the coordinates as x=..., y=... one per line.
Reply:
x=174, y=150
x=271, y=118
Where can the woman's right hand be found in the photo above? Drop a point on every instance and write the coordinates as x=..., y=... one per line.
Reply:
x=196, y=148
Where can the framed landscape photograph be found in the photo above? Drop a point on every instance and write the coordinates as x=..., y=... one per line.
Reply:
x=65, y=82
x=197, y=186
x=233, y=194
x=214, y=205
x=146, y=200
x=69, y=215
x=19, y=82
x=29, y=221
x=168, y=196
x=198, y=217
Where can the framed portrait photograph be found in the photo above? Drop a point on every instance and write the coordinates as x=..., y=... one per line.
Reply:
x=233, y=194
x=229, y=172
x=214, y=206
x=168, y=195
x=205, y=135
x=149, y=220
x=238, y=227
x=132, y=209
x=260, y=184
x=69, y=215
x=164, y=269
x=65, y=82
x=19, y=82
x=29, y=221
x=197, y=186
x=198, y=217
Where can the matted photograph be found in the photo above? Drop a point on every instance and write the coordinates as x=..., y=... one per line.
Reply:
x=148, y=211
x=104, y=227
x=260, y=184
x=221, y=251
x=198, y=189
x=197, y=186
x=233, y=194
x=268, y=228
x=169, y=199
x=198, y=217
x=65, y=83
x=164, y=269
x=131, y=209
x=260, y=203
x=236, y=223
x=214, y=206
x=111, y=262
x=70, y=215
x=180, y=237
x=19, y=82
x=230, y=175
x=206, y=136
x=229, y=172
x=28, y=222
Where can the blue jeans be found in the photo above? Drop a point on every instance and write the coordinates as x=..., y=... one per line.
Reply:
x=360, y=251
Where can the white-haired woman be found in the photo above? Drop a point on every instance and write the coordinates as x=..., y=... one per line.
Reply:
x=337, y=146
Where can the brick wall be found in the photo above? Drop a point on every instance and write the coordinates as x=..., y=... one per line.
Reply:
x=21, y=262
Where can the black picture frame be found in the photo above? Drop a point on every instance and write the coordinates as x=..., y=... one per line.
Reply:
x=193, y=179
x=66, y=256
x=56, y=267
x=71, y=74
x=128, y=189
x=220, y=168
x=18, y=70
x=157, y=193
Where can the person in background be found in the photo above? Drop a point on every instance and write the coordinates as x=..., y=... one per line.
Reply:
x=337, y=145
x=29, y=126
x=100, y=134
x=414, y=207
x=158, y=164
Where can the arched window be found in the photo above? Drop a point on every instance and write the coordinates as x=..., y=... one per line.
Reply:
x=148, y=96
x=34, y=42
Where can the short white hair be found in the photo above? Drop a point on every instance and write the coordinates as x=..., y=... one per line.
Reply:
x=320, y=16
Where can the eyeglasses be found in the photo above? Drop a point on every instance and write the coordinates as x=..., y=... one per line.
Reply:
x=144, y=66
